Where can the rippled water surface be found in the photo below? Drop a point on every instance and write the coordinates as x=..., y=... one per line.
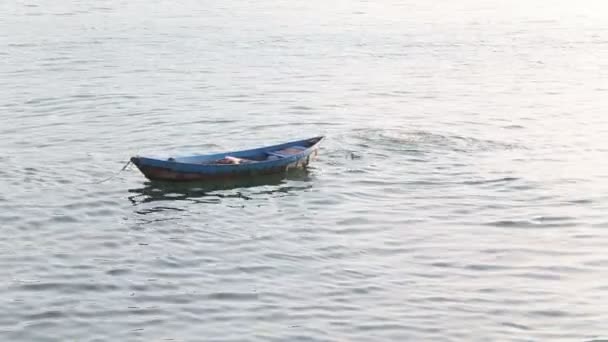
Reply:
x=461, y=193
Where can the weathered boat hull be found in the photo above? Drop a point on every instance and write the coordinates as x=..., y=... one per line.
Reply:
x=167, y=174
x=198, y=168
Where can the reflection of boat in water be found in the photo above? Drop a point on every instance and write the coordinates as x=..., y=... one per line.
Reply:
x=212, y=191
x=230, y=165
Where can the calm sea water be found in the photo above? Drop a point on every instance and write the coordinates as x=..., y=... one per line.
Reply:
x=461, y=194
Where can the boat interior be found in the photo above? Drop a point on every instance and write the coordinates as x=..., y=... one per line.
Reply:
x=252, y=156
x=264, y=156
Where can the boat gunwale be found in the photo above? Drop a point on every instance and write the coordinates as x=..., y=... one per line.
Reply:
x=259, y=149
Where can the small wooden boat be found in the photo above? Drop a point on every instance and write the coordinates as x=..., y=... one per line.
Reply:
x=259, y=161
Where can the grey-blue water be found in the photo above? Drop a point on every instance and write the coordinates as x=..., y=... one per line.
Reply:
x=461, y=194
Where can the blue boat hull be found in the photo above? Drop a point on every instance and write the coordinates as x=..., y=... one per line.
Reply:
x=259, y=161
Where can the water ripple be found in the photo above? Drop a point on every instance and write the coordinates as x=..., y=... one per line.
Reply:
x=458, y=195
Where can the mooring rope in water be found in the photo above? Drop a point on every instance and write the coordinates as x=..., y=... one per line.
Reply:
x=114, y=175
